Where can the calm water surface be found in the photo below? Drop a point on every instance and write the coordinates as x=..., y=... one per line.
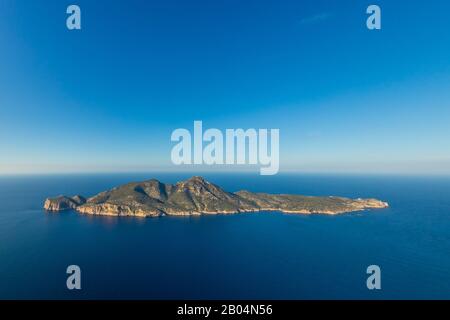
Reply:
x=257, y=255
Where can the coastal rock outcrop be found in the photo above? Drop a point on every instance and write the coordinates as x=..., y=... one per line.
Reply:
x=197, y=196
x=63, y=203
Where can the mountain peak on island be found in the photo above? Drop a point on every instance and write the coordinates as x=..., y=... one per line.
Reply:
x=196, y=196
x=196, y=179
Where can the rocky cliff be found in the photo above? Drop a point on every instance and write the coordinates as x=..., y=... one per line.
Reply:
x=63, y=203
x=197, y=196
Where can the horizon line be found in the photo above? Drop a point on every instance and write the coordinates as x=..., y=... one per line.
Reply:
x=237, y=172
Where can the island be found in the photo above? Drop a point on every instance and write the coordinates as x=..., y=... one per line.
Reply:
x=196, y=196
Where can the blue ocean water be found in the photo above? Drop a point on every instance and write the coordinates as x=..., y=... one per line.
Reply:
x=254, y=255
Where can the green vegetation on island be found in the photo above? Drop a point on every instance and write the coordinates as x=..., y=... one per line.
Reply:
x=197, y=196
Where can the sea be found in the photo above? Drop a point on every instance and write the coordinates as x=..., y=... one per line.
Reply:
x=265, y=255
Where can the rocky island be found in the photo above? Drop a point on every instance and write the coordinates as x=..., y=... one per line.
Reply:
x=197, y=196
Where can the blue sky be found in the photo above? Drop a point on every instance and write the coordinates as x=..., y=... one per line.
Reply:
x=107, y=97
